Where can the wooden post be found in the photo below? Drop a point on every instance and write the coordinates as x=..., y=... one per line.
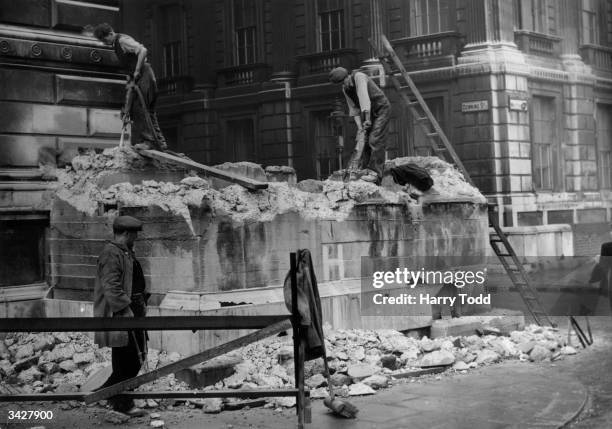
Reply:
x=298, y=344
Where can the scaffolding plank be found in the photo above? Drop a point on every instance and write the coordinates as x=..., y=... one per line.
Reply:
x=211, y=171
x=173, y=323
x=132, y=383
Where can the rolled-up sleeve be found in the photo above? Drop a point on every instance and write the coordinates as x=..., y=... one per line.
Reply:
x=110, y=278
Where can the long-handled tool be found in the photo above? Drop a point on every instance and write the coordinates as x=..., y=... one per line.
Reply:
x=356, y=160
x=338, y=406
x=127, y=107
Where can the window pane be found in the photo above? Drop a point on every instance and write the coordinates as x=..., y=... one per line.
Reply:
x=543, y=137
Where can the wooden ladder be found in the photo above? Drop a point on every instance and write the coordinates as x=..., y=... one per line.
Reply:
x=442, y=148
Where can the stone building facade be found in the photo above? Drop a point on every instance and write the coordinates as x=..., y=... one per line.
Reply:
x=522, y=88
x=59, y=91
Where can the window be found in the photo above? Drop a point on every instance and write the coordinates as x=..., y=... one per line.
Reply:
x=543, y=138
x=608, y=20
x=170, y=36
x=240, y=140
x=421, y=143
x=604, y=144
x=428, y=17
x=589, y=22
x=326, y=144
x=245, y=31
x=22, y=246
x=331, y=24
x=544, y=16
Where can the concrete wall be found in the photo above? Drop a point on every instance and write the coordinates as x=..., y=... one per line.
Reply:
x=225, y=255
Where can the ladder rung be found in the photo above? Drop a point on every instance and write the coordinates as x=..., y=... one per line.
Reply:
x=432, y=134
x=413, y=103
x=422, y=119
x=504, y=254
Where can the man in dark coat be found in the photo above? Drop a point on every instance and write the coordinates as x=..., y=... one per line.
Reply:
x=120, y=291
x=371, y=111
x=133, y=59
x=602, y=272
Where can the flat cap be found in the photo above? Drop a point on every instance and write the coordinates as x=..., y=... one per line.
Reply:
x=338, y=74
x=127, y=223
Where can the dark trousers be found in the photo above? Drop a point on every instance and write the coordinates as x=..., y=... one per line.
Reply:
x=374, y=151
x=141, y=132
x=126, y=364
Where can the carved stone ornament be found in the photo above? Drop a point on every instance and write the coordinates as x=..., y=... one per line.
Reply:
x=95, y=56
x=5, y=46
x=66, y=53
x=36, y=50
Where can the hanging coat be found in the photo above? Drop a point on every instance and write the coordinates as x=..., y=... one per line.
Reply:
x=308, y=303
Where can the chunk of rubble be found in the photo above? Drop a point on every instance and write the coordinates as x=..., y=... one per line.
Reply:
x=360, y=389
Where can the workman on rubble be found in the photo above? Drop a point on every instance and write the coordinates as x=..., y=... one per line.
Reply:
x=371, y=111
x=120, y=291
x=133, y=59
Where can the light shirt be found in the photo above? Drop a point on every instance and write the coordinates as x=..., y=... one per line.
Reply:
x=361, y=83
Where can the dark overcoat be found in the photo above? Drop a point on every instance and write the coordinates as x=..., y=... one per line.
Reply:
x=113, y=290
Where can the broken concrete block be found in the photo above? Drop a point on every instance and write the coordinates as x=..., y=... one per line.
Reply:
x=212, y=405
x=356, y=354
x=310, y=185
x=244, y=169
x=568, y=350
x=376, y=381
x=455, y=327
x=360, y=371
x=115, y=417
x=29, y=375
x=67, y=365
x=24, y=351
x=210, y=372
x=486, y=356
x=86, y=357
x=195, y=182
x=287, y=402
x=315, y=381
x=338, y=379
x=539, y=353
x=360, y=389
x=281, y=173
x=437, y=358
x=157, y=423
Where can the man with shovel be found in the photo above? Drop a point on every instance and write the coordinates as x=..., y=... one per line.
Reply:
x=371, y=111
x=120, y=291
x=142, y=88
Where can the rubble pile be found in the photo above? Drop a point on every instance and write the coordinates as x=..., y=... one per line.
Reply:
x=361, y=361
x=448, y=181
x=329, y=199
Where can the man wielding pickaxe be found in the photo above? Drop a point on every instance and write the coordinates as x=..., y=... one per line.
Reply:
x=371, y=111
x=141, y=88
